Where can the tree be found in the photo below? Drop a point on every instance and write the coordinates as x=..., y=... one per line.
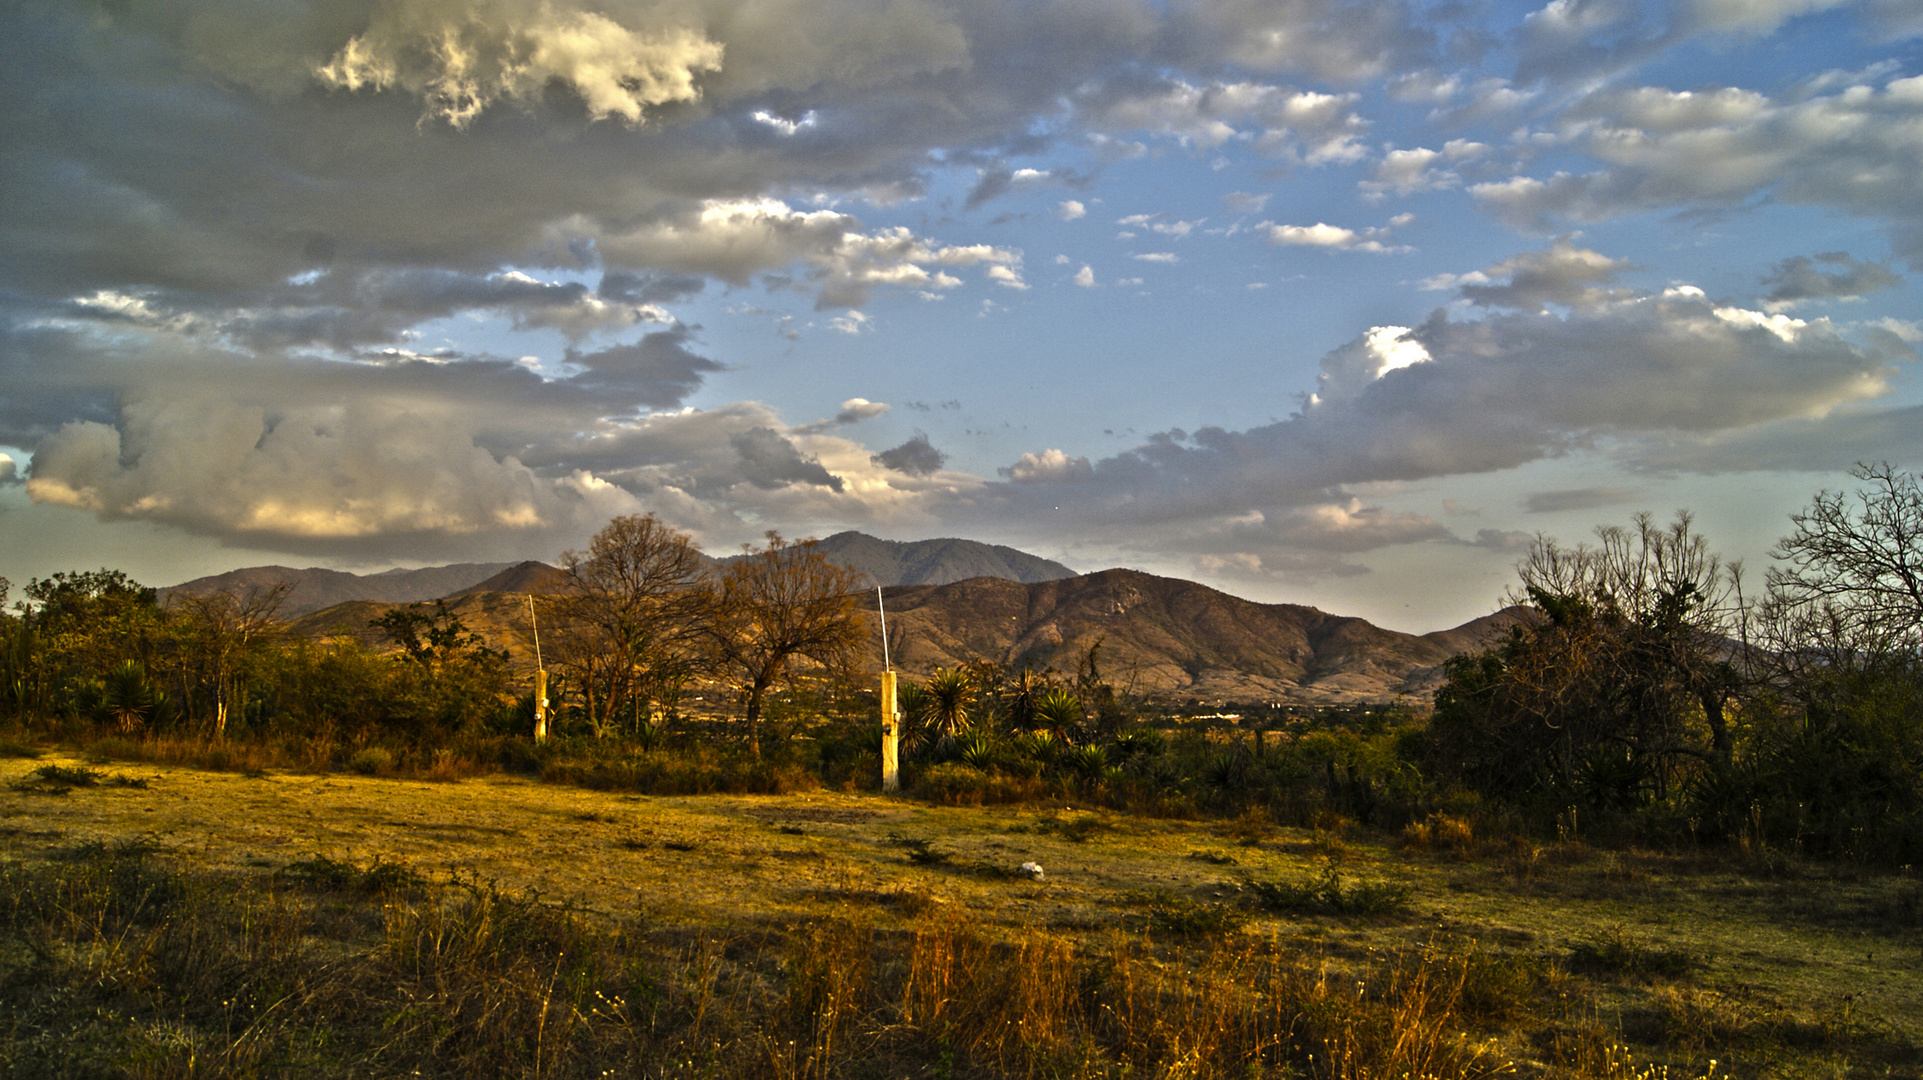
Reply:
x=221, y=629
x=630, y=618
x=1618, y=683
x=778, y=602
x=85, y=623
x=1854, y=573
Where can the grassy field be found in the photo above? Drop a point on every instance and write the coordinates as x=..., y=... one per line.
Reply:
x=172, y=922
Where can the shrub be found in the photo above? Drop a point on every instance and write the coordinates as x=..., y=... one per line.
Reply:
x=960, y=785
x=1327, y=894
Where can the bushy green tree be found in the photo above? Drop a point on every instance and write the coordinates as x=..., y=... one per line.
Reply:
x=1618, y=687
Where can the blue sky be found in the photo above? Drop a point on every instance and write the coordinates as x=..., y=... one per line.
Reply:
x=1324, y=302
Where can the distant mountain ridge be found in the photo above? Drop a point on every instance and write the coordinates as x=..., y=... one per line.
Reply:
x=1171, y=636
x=935, y=562
x=886, y=562
x=315, y=588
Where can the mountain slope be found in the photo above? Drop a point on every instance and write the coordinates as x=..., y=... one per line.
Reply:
x=935, y=562
x=1168, y=636
x=315, y=588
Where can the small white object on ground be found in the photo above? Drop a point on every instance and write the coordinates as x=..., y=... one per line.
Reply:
x=1033, y=870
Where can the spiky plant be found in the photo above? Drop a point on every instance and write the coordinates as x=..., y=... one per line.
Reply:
x=949, y=698
x=1058, y=711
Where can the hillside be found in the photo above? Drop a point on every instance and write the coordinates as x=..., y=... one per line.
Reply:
x=1170, y=636
x=315, y=588
x=1159, y=635
x=936, y=562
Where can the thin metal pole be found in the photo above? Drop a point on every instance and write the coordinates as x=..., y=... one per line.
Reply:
x=532, y=621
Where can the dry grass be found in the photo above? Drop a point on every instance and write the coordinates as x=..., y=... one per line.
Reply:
x=279, y=923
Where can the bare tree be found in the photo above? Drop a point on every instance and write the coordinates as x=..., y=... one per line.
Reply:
x=778, y=602
x=629, y=618
x=222, y=626
x=1853, y=585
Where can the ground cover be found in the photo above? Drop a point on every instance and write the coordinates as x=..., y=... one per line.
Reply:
x=818, y=907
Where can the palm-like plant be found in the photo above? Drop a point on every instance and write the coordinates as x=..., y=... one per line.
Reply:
x=127, y=699
x=1058, y=711
x=948, y=697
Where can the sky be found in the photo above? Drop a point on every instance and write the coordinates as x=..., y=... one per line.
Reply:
x=1325, y=302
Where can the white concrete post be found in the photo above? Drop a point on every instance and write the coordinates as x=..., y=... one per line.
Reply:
x=890, y=735
x=540, y=705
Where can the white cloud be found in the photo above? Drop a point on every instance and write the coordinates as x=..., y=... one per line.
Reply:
x=1070, y=209
x=1245, y=203
x=850, y=322
x=785, y=126
x=1406, y=172
x=1329, y=237
x=1317, y=235
x=460, y=59
x=1049, y=466
x=1853, y=150
x=734, y=239
x=1085, y=277
x=1004, y=275
x=1157, y=257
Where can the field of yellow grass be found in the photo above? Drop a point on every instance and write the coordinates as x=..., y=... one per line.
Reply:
x=1765, y=967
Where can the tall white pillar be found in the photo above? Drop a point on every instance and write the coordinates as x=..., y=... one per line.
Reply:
x=890, y=735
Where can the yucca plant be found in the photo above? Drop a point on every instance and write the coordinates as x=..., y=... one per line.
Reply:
x=126, y=698
x=947, y=698
x=1058, y=711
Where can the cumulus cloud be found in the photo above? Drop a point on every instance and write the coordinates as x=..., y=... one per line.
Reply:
x=1564, y=275
x=1049, y=466
x=1851, y=150
x=1833, y=275
x=733, y=240
x=462, y=58
x=1330, y=237
x=1296, y=125
x=1465, y=396
x=1406, y=172
x=1070, y=209
x=9, y=471
x=1085, y=277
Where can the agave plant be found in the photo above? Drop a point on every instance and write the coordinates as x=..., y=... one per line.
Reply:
x=976, y=750
x=126, y=699
x=948, y=698
x=1088, y=760
x=1058, y=711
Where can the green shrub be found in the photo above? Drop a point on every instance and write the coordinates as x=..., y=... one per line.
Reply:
x=1328, y=894
x=961, y=785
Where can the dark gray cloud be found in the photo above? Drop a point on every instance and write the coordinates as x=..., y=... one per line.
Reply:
x=657, y=372
x=916, y=457
x=633, y=288
x=769, y=460
x=1833, y=275
x=1589, y=498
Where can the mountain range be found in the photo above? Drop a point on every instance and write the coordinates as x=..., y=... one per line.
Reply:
x=958, y=601
x=885, y=562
